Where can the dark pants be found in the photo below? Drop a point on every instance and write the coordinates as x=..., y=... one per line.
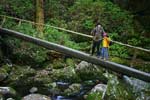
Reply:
x=96, y=44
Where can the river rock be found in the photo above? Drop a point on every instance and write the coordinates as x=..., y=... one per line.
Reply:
x=99, y=91
x=3, y=72
x=36, y=97
x=85, y=66
x=7, y=90
x=1, y=98
x=3, y=76
x=99, y=88
x=139, y=87
x=33, y=90
x=10, y=99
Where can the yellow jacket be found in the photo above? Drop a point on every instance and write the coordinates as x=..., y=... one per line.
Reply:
x=106, y=41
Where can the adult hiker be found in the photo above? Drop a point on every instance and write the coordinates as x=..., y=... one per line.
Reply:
x=97, y=34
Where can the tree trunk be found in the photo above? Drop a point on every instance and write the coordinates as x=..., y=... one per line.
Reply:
x=39, y=15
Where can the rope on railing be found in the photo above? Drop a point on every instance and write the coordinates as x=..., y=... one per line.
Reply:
x=81, y=34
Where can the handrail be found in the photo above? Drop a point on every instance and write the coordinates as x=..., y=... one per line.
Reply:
x=80, y=55
x=81, y=34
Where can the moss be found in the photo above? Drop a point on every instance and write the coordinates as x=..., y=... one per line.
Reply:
x=120, y=61
x=94, y=96
x=58, y=63
x=118, y=90
x=70, y=62
x=66, y=74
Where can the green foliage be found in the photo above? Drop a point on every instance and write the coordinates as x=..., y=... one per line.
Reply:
x=27, y=28
x=120, y=51
x=111, y=16
x=70, y=62
x=94, y=96
x=134, y=41
x=62, y=38
x=88, y=24
x=23, y=9
x=60, y=64
x=120, y=61
x=66, y=74
x=9, y=23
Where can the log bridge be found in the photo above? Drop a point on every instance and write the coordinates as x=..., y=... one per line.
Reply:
x=80, y=55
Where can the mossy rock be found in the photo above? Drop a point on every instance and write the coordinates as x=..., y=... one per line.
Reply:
x=43, y=76
x=20, y=75
x=66, y=74
x=73, y=89
x=4, y=72
x=118, y=90
x=7, y=91
x=87, y=71
x=58, y=63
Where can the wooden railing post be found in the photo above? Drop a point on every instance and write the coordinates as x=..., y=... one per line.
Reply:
x=133, y=57
x=3, y=21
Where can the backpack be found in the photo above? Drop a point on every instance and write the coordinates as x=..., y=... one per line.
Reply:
x=110, y=43
x=98, y=32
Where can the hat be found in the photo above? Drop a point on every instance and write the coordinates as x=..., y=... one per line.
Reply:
x=104, y=34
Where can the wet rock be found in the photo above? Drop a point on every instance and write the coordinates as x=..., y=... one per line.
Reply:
x=62, y=85
x=7, y=90
x=36, y=97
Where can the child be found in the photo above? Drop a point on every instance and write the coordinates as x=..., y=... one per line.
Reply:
x=105, y=45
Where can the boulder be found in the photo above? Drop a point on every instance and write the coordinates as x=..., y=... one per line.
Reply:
x=10, y=99
x=66, y=74
x=33, y=90
x=7, y=90
x=3, y=76
x=88, y=71
x=97, y=93
x=4, y=72
x=99, y=88
x=82, y=65
x=36, y=97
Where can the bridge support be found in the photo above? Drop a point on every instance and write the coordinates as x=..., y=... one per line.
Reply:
x=80, y=55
